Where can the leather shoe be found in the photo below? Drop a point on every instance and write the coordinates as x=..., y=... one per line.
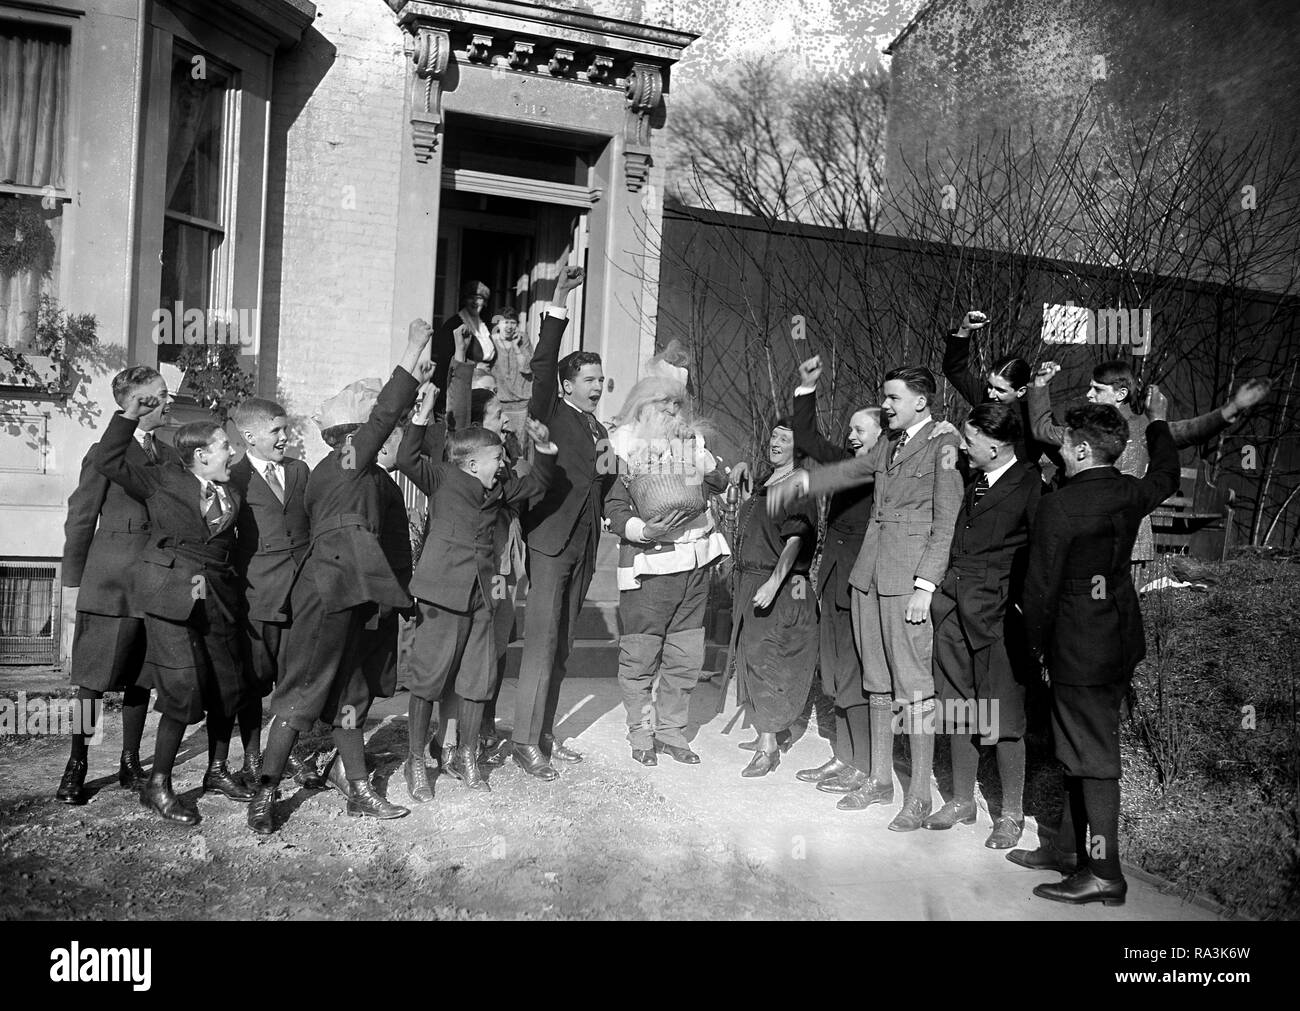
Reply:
x=529, y=757
x=364, y=802
x=846, y=782
x=471, y=775
x=954, y=812
x=130, y=773
x=559, y=752
x=761, y=764
x=783, y=741
x=417, y=779
x=679, y=754
x=218, y=778
x=250, y=773
x=911, y=817
x=496, y=752
x=261, y=810
x=74, y=779
x=1083, y=887
x=336, y=776
x=1006, y=833
x=305, y=773
x=826, y=770
x=158, y=796
x=1045, y=858
x=867, y=794
x=449, y=764
x=645, y=756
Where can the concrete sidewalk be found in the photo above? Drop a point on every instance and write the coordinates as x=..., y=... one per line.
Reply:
x=846, y=860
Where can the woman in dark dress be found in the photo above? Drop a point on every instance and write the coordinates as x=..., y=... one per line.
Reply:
x=479, y=346
x=774, y=641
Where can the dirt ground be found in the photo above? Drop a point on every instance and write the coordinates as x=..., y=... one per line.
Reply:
x=599, y=843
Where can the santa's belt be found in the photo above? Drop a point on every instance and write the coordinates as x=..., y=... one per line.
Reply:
x=343, y=521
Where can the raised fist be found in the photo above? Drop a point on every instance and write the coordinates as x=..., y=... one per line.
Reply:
x=810, y=371
x=1157, y=404
x=1045, y=373
x=419, y=333
x=973, y=320
x=138, y=404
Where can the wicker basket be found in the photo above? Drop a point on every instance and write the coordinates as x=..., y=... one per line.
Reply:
x=656, y=495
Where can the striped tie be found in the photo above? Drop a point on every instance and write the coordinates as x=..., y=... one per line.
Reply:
x=213, y=512
x=981, y=488
x=150, y=450
x=898, y=448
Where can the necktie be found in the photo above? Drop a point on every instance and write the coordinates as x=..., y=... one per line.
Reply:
x=150, y=450
x=981, y=488
x=212, y=510
x=593, y=426
x=273, y=482
x=898, y=448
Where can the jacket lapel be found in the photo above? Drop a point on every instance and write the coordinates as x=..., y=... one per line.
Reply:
x=913, y=446
x=1007, y=483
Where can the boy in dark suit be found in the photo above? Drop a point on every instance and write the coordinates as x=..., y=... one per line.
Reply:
x=105, y=532
x=454, y=586
x=847, y=514
x=342, y=643
x=973, y=613
x=274, y=533
x=1082, y=618
x=186, y=586
x=562, y=530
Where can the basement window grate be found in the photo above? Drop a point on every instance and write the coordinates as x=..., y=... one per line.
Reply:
x=30, y=599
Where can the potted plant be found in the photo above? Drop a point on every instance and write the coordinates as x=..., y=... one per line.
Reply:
x=49, y=368
x=214, y=372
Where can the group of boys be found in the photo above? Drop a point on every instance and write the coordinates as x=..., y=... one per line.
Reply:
x=217, y=583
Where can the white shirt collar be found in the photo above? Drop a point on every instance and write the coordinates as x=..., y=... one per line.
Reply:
x=260, y=465
x=993, y=475
x=140, y=436
x=917, y=427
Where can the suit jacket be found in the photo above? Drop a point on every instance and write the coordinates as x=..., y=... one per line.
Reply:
x=914, y=508
x=360, y=541
x=182, y=546
x=461, y=546
x=1133, y=461
x=104, y=533
x=1081, y=609
x=585, y=467
x=989, y=554
x=272, y=537
x=847, y=513
x=974, y=390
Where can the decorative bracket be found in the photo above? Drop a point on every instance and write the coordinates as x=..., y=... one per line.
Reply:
x=645, y=89
x=561, y=64
x=521, y=54
x=600, y=68
x=479, y=49
x=432, y=56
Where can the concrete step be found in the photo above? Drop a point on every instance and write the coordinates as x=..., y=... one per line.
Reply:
x=594, y=659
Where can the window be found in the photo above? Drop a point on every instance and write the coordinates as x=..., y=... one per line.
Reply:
x=34, y=97
x=194, y=274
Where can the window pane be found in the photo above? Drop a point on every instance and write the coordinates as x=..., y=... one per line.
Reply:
x=29, y=265
x=194, y=138
x=186, y=269
x=33, y=104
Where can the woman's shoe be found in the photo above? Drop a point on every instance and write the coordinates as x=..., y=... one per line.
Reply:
x=761, y=764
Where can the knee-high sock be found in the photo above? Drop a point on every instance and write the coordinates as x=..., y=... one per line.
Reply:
x=1072, y=837
x=250, y=728
x=965, y=765
x=135, y=707
x=419, y=714
x=1101, y=800
x=843, y=748
x=81, y=742
x=1011, y=770
x=220, y=727
x=882, y=738
x=471, y=720
x=490, y=707
x=858, y=720
x=920, y=738
x=352, y=752
x=279, y=744
x=166, y=745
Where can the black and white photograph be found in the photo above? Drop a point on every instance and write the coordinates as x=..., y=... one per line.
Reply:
x=649, y=460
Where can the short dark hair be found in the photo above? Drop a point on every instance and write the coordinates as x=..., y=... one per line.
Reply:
x=336, y=435
x=465, y=442
x=254, y=410
x=1000, y=422
x=573, y=363
x=471, y=289
x=1014, y=370
x=1101, y=426
x=782, y=422
x=916, y=378
x=131, y=379
x=1117, y=373
x=195, y=435
x=478, y=405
